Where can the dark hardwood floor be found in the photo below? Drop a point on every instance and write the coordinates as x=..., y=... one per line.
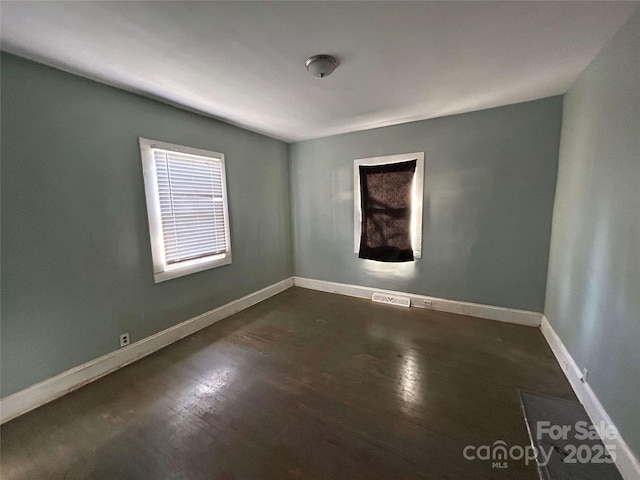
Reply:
x=305, y=385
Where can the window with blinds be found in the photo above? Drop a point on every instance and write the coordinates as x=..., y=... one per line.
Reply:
x=187, y=207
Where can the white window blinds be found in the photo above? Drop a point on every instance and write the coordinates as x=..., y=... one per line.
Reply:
x=187, y=208
x=192, y=213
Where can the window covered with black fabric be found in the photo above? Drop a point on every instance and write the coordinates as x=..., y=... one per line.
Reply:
x=385, y=196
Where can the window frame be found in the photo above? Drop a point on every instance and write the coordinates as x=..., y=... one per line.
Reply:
x=162, y=271
x=417, y=197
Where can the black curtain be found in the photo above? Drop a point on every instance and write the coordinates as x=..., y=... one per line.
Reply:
x=385, y=199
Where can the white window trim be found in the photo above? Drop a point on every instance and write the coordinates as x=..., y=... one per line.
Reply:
x=162, y=271
x=417, y=195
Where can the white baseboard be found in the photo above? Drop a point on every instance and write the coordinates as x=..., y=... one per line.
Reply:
x=626, y=462
x=510, y=315
x=36, y=395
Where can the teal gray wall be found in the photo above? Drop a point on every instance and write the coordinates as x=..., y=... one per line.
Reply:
x=593, y=290
x=76, y=260
x=488, y=197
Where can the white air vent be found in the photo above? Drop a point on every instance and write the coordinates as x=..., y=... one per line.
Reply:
x=391, y=299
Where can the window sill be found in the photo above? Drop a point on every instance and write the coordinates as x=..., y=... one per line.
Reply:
x=193, y=266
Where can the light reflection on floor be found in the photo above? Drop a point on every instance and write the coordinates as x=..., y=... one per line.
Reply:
x=206, y=393
x=410, y=387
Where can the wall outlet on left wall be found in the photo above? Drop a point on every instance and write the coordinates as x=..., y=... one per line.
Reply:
x=585, y=372
x=124, y=339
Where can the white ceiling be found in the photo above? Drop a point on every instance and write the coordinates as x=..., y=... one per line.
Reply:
x=244, y=61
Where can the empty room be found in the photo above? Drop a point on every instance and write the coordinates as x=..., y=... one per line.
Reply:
x=379, y=240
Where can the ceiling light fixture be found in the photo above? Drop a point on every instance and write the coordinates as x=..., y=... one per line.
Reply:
x=321, y=65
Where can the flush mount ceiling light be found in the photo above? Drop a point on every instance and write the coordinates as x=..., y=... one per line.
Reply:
x=321, y=65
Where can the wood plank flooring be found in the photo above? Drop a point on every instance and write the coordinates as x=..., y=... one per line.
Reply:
x=305, y=385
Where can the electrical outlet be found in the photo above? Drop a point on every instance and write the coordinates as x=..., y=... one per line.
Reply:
x=124, y=339
x=428, y=303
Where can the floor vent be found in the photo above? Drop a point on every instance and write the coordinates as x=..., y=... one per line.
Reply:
x=391, y=299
